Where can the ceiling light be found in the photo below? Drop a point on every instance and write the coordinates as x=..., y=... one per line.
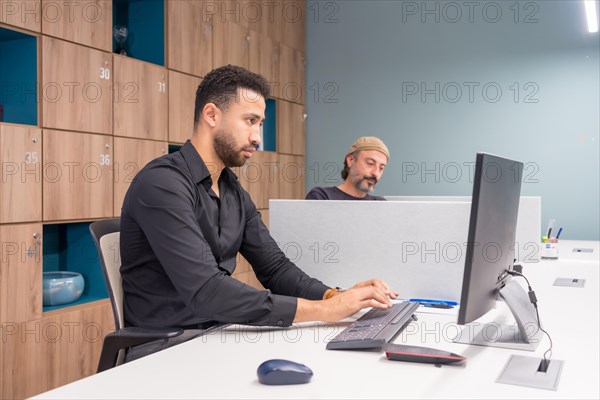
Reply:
x=592, y=18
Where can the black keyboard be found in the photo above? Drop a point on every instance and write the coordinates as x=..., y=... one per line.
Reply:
x=376, y=328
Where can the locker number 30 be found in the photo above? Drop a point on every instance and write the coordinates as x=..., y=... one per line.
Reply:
x=104, y=73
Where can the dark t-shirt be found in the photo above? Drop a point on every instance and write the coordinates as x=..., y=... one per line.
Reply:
x=333, y=193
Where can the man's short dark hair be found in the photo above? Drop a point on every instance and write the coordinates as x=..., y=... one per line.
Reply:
x=220, y=87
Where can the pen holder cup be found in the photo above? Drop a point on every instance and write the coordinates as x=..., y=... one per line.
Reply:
x=549, y=251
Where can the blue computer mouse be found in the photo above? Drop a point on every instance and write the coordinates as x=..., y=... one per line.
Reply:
x=283, y=372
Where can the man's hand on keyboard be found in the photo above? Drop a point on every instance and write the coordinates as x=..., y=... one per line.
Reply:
x=372, y=293
x=350, y=301
x=379, y=284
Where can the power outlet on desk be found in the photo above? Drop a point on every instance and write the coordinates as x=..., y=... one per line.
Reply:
x=581, y=250
x=525, y=371
x=570, y=282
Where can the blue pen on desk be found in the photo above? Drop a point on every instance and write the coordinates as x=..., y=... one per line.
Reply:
x=435, y=303
x=558, y=234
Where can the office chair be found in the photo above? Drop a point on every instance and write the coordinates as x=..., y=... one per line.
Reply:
x=106, y=235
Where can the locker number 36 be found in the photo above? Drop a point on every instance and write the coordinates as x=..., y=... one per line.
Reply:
x=104, y=159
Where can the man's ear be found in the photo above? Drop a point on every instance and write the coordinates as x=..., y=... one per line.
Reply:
x=350, y=160
x=211, y=114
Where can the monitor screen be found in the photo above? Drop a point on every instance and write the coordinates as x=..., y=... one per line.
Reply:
x=492, y=229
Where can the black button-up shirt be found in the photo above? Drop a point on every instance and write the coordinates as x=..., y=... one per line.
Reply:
x=179, y=243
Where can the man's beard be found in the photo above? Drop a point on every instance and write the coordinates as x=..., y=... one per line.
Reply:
x=227, y=150
x=361, y=183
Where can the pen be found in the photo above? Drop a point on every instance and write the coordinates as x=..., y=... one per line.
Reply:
x=425, y=302
x=550, y=226
x=558, y=234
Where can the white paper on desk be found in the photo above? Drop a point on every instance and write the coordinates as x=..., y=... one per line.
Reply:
x=441, y=311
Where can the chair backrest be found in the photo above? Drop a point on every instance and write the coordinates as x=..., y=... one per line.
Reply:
x=109, y=245
x=106, y=235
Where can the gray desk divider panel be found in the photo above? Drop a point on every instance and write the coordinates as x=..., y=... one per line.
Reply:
x=417, y=247
x=529, y=222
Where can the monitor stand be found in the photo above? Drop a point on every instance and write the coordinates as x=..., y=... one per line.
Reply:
x=526, y=336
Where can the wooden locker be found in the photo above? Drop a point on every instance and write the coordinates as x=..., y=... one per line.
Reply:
x=87, y=22
x=292, y=25
x=20, y=273
x=237, y=11
x=259, y=176
x=21, y=160
x=291, y=75
x=291, y=128
x=230, y=44
x=182, y=99
x=131, y=155
x=78, y=176
x=291, y=177
x=61, y=347
x=141, y=99
x=22, y=14
x=76, y=87
x=264, y=56
x=190, y=37
x=268, y=20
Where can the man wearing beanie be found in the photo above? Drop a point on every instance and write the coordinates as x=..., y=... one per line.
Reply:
x=363, y=168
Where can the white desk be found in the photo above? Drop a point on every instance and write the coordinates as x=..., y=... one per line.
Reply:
x=223, y=365
x=566, y=251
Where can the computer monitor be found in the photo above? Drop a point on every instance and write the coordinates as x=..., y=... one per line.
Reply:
x=490, y=255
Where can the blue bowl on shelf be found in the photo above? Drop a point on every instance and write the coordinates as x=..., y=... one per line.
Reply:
x=62, y=287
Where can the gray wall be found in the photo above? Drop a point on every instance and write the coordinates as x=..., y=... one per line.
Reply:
x=366, y=59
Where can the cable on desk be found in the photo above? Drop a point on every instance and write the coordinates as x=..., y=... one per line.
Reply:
x=533, y=299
